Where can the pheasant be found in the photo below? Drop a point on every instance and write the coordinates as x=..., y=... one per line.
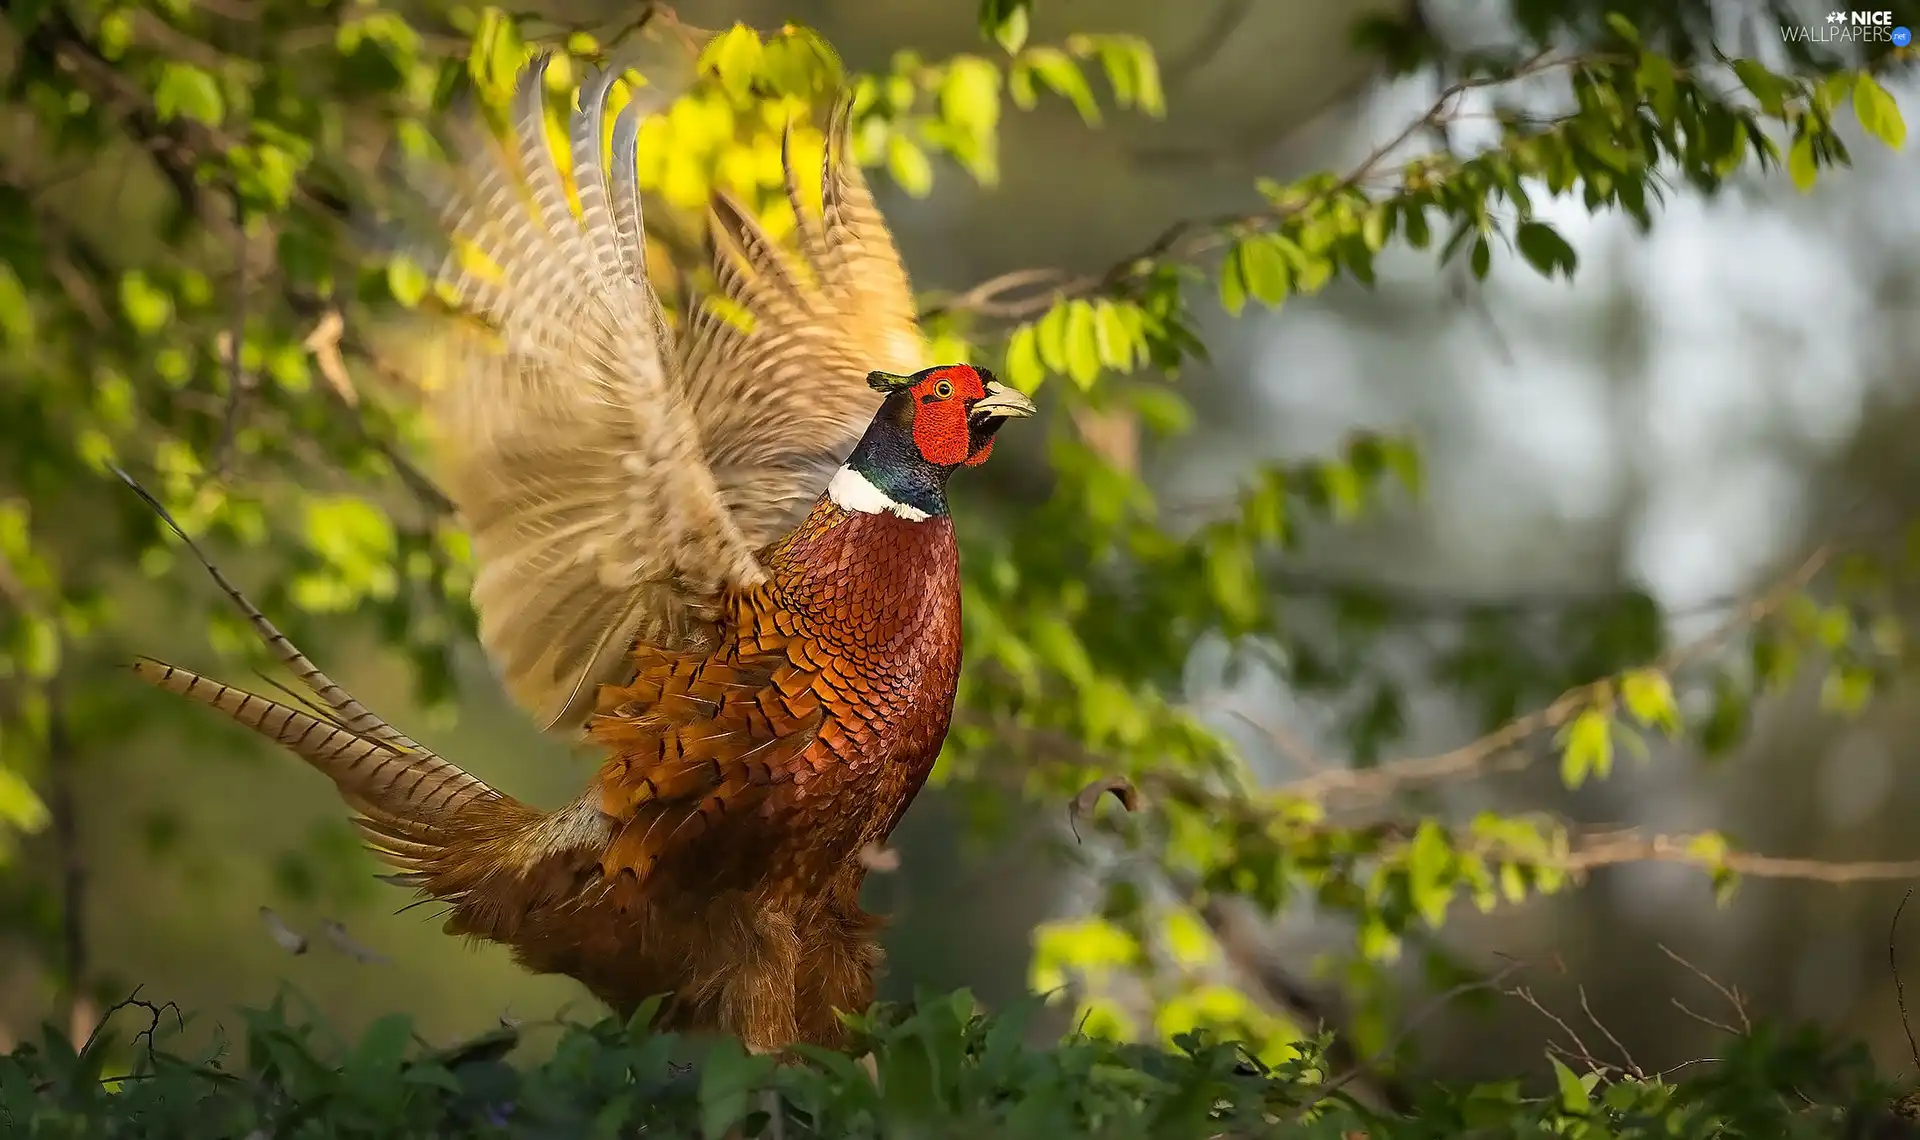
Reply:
x=726, y=557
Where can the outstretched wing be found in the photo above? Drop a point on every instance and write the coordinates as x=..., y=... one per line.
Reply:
x=613, y=486
x=782, y=396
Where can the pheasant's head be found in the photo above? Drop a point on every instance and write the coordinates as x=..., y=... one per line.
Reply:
x=931, y=424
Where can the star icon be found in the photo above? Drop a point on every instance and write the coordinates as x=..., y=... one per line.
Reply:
x=1836, y=17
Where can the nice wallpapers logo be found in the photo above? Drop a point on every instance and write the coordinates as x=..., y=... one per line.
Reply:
x=1850, y=28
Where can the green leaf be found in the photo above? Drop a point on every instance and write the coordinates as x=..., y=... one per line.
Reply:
x=734, y=58
x=1005, y=22
x=1800, y=163
x=970, y=94
x=1879, y=115
x=1264, y=269
x=16, y=309
x=1161, y=410
x=1768, y=89
x=1545, y=249
x=1057, y=70
x=1847, y=689
x=1052, y=338
x=185, y=91
x=1573, y=1092
x=146, y=305
x=1430, y=863
x=1233, y=281
x=1233, y=578
x=1481, y=259
x=1648, y=697
x=383, y=1045
x=909, y=165
x=20, y=806
x=728, y=1076
x=1118, y=346
x=1081, y=345
x=1022, y=365
x=1588, y=748
x=406, y=281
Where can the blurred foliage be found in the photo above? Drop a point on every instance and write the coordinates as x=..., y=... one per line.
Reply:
x=941, y=1071
x=235, y=341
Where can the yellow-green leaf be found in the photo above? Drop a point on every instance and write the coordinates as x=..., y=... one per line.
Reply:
x=146, y=305
x=1589, y=748
x=1648, y=695
x=1113, y=337
x=1573, y=1092
x=1878, y=113
x=1052, y=338
x=733, y=57
x=186, y=92
x=1800, y=164
x=1082, y=345
x=1023, y=367
x=909, y=165
x=1264, y=269
x=406, y=281
x=19, y=805
x=970, y=94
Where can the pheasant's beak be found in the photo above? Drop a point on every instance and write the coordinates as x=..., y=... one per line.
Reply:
x=1000, y=402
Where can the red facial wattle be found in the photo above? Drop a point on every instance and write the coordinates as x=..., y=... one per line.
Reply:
x=941, y=402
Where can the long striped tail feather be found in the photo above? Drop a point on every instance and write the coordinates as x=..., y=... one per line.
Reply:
x=444, y=831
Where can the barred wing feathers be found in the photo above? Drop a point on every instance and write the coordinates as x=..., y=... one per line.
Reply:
x=615, y=483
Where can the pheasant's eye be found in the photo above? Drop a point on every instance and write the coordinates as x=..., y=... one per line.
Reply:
x=943, y=390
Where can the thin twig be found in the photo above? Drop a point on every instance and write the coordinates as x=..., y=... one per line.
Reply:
x=1584, y=1055
x=1420, y=1017
x=1732, y=994
x=1633, y=1067
x=1899, y=987
x=1471, y=758
x=1189, y=238
x=1613, y=848
x=237, y=380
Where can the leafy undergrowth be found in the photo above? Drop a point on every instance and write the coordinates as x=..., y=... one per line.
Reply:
x=942, y=1072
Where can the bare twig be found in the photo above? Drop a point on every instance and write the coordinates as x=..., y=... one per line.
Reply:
x=134, y=1001
x=1471, y=758
x=1580, y=1052
x=1618, y=847
x=1083, y=802
x=1899, y=987
x=238, y=382
x=1432, y=1007
x=1633, y=1067
x=1732, y=994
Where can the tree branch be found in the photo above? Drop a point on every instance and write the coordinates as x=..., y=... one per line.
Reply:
x=1026, y=293
x=1473, y=758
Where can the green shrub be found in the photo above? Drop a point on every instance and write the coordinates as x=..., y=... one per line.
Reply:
x=941, y=1069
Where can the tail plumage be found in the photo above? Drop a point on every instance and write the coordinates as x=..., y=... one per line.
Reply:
x=445, y=830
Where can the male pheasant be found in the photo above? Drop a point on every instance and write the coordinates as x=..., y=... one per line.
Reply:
x=732, y=563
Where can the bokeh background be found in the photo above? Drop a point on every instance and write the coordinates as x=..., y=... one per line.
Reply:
x=1692, y=412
